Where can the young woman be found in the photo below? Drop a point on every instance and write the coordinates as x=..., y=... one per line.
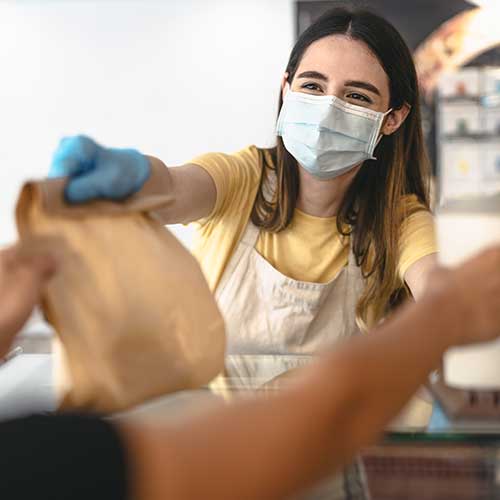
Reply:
x=315, y=239
x=305, y=241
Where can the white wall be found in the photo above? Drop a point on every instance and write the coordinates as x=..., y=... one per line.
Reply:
x=174, y=78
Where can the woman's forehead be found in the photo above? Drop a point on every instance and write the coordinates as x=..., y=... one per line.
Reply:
x=342, y=58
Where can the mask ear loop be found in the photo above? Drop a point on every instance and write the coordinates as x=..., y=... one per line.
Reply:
x=382, y=135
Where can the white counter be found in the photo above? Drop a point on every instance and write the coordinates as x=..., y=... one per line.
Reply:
x=26, y=385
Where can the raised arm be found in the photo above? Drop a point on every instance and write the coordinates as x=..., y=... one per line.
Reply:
x=96, y=171
x=191, y=187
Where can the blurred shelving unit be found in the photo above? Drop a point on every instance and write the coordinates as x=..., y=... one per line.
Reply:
x=468, y=132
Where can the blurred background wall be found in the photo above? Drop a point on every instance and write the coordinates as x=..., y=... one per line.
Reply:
x=179, y=78
x=171, y=78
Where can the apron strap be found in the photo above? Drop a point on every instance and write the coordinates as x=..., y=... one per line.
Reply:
x=351, y=259
x=354, y=289
x=251, y=235
x=246, y=244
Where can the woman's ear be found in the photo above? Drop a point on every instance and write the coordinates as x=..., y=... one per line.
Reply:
x=395, y=119
x=285, y=86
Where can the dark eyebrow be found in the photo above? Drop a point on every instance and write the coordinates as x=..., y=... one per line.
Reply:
x=363, y=85
x=313, y=74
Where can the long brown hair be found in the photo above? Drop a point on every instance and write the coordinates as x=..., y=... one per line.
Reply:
x=372, y=211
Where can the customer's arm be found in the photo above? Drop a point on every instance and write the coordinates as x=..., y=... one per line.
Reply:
x=259, y=449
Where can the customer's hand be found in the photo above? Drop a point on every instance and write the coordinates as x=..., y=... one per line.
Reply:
x=473, y=291
x=98, y=172
x=24, y=269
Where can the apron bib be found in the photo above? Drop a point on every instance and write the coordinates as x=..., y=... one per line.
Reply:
x=267, y=312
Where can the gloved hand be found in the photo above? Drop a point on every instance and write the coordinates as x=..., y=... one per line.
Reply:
x=98, y=172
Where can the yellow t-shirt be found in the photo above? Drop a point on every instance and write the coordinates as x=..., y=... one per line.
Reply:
x=309, y=249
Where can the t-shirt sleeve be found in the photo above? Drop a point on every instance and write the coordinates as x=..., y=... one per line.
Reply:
x=417, y=239
x=234, y=175
x=60, y=458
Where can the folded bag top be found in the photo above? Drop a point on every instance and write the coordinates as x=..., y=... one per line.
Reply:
x=134, y=316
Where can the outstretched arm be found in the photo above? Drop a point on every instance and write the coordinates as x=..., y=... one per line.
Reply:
x=270, y=448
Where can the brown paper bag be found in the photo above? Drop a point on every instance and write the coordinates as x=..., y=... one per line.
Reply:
x=134, y=316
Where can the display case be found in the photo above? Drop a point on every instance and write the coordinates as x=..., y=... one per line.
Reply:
x=468, y=128
x=410, y=461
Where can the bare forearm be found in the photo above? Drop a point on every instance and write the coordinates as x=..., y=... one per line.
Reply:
x=388, y=365
x=270, y=448
x=191, y=189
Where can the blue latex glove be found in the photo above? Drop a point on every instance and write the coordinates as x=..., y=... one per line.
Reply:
x=98, y=172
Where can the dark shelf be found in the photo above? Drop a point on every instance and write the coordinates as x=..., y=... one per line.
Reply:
x=461, y=99
x=471, y=137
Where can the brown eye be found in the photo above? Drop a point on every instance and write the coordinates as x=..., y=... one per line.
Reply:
x=311, y=86
x=359, y=97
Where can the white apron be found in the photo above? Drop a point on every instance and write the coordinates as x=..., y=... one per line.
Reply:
x=275, y=323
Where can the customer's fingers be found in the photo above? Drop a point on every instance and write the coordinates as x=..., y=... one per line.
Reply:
x=40, y=254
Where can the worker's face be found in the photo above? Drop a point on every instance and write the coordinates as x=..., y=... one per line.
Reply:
x=346, y=68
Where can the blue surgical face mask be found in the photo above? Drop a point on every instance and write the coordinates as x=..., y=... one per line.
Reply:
x=327, y=135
